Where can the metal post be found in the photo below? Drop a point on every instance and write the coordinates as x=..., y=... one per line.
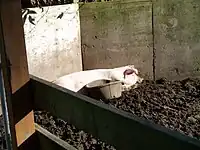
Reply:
x=4, y=99
x=5, y=113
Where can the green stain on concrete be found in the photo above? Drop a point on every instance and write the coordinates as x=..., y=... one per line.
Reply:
x=177, y=27
x=117, y=32
x=177, y=30
x=187, y=16
x=105, y=12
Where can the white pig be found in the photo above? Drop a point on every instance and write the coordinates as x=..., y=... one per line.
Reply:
x=128, y=75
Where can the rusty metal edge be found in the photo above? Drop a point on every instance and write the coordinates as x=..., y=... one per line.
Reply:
x=54, y=138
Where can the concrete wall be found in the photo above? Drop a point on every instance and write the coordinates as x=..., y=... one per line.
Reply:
x=53, y=44
x=114, y=34
x=117, y=33
x=120, y=33
x=177, y=38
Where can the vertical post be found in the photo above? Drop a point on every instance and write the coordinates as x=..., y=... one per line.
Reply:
x=15, y=73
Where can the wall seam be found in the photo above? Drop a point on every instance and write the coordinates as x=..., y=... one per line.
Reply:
x=153, y=43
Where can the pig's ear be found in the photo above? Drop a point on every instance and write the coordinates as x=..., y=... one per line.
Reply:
x=133, y=68
x=129, y=72
x=136, y=71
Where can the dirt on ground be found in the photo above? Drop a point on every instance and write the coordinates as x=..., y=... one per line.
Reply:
x=173, y=104
x=77, y=138
x=2, y=135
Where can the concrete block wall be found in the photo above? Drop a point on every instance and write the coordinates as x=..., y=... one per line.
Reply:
x=177, y=38
x=117, y=33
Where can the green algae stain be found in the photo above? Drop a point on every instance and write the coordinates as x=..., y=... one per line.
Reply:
x=186, y=12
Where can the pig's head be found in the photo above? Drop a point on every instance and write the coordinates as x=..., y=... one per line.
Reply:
x=131, y=78
x=128, y=75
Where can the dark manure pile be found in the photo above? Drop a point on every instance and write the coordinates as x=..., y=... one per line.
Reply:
x=69, y=133
x=172, y=104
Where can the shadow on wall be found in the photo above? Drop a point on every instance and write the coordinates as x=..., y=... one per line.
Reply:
x=40, y=3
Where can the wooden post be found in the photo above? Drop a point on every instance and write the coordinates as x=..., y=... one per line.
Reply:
x=15, y=72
